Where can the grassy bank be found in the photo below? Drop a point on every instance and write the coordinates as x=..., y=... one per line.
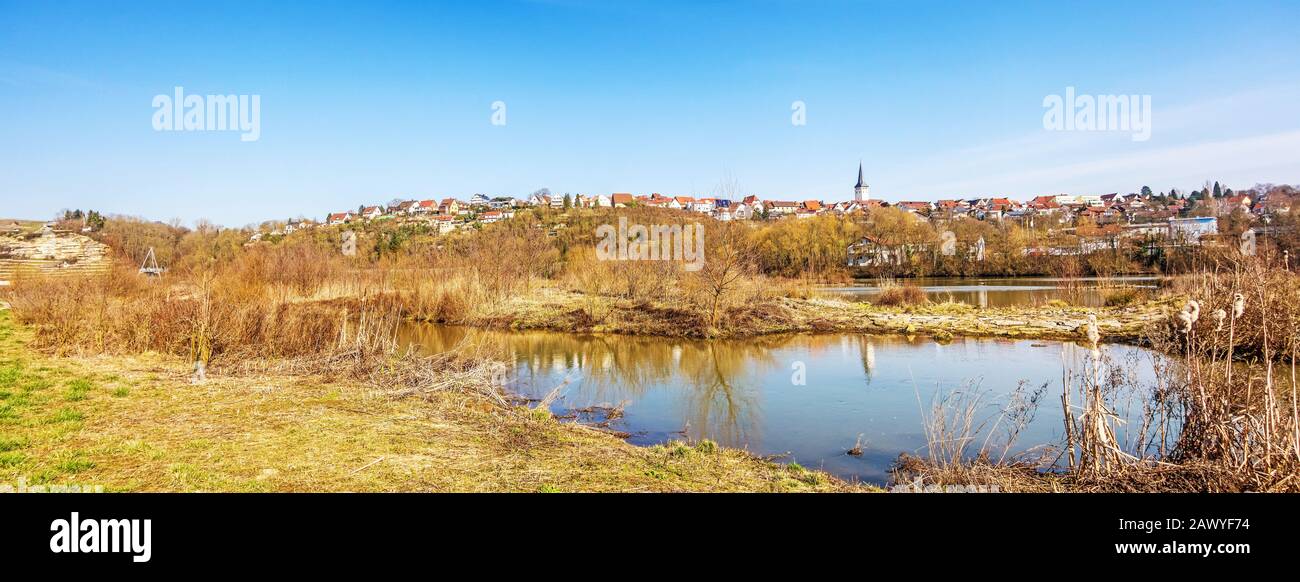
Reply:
x=557, y=309
x=137, y=423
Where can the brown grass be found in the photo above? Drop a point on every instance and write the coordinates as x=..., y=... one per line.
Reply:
x=1125, y=296
x=141, y=426
x=302, y=395
x=895, y=295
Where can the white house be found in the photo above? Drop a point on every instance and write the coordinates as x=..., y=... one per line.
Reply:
x=424, y=207
x=742, y=211
x=781, y=207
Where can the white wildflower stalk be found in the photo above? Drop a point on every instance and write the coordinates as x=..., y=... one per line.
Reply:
x=1238, y=309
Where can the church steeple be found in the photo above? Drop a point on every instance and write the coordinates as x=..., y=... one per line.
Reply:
x=861, y=192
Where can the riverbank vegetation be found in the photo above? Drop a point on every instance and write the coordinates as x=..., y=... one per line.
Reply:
x=298, y=316
x=354, y=417
x=1222, y=414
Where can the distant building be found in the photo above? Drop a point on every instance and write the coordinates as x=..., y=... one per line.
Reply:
x=1192, y=229
x=781, y=207
x=424, y=207
x=861, y=192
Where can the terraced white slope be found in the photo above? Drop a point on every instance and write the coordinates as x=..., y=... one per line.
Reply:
x=51, y=253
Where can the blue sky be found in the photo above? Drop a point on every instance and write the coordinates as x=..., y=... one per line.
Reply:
x=366, y=102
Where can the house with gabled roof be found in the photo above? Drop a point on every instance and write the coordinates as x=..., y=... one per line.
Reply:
x=403, y=207
x=445, y=223
x=742, y=211
x=916, y=207
x=781, y=207
x=425, y=207
x=1231, y=203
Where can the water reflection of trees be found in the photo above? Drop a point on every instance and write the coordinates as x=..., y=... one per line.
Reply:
x=716, y=384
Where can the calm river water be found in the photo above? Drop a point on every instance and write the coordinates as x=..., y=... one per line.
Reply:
x=1004, y=292
x=809, y=398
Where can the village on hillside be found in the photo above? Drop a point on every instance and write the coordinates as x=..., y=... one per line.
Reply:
x=1184, y=216
x=1073, y=224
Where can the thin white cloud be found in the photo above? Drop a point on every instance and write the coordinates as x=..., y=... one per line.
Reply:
x=1247, y=136
x=1232, y=157
x=26, y=75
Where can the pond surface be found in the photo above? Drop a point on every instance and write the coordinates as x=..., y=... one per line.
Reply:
x=749, y=394
x=1004, y=292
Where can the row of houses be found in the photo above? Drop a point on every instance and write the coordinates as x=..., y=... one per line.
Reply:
x=1114, y=208
x=1058, y=209
x=870, y=251
x=750, y=207
x=480, y=208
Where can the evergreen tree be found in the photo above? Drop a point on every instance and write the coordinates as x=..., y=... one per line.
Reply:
x=1146, y=191
x=1218, y=191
